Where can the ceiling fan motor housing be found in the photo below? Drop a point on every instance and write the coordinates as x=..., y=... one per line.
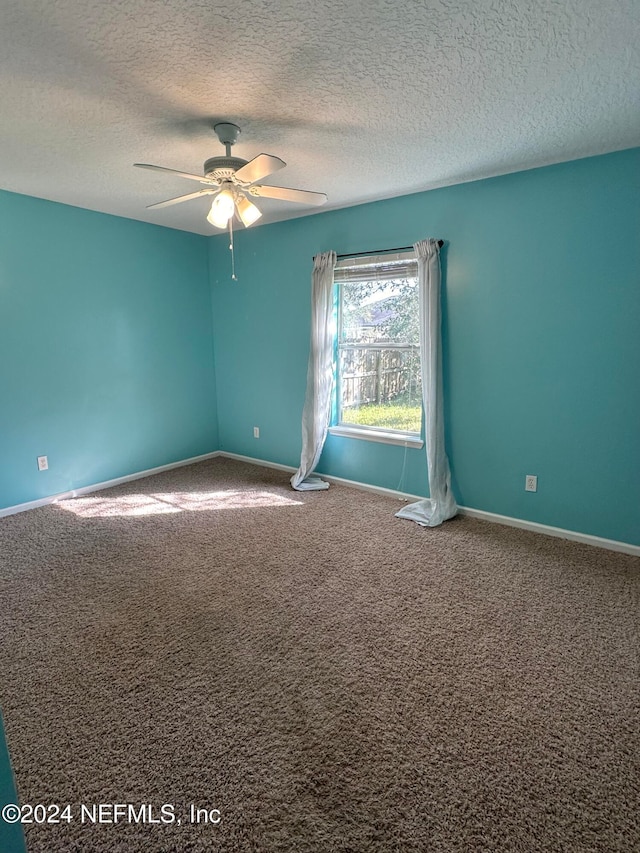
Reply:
x=222, y=168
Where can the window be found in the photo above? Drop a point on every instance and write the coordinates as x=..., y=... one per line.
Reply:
x=378, y=386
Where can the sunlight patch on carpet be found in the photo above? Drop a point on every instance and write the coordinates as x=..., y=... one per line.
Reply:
x=162, y=504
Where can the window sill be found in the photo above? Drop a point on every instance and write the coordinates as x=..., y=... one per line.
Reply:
x=404, y=439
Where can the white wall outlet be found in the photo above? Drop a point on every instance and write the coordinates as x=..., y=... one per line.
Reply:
x=531, y=483
x=43, y=463
x=256, y=432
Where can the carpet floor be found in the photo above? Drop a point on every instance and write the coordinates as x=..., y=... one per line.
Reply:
x=314, y=674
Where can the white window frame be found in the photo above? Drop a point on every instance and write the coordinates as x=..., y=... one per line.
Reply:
x=386, y=263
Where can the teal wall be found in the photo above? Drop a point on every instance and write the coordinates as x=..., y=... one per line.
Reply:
x=541, y=340
x=106, y=355
x=11, y=835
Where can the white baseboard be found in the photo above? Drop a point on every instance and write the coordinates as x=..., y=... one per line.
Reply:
x=585, y=538
x=107, y=484
x=263, y=463
x=559, y=532
x=379, y=490
x=354, y=484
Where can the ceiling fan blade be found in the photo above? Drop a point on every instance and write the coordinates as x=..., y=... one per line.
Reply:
x=288, y=194
x=200, y=178
x=180, y=198
x=259, y=167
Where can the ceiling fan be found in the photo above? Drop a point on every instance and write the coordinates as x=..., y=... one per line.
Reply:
x=231, y=180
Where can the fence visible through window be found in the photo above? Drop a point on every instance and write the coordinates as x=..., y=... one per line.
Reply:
x=383, y=377
x=379, y=383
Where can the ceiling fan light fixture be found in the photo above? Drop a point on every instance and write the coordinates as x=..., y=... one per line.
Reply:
x=247, y=211
x=221, y=209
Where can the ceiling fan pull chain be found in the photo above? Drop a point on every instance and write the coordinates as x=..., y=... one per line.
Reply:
x=233, y=260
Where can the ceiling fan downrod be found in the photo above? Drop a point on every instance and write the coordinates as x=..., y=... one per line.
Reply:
x=228, y=134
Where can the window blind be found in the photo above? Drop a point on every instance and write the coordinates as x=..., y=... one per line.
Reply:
x=376, y=268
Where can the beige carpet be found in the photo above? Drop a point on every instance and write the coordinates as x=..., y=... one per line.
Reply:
x=328, y=677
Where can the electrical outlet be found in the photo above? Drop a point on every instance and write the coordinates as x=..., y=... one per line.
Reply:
x=256, y=432
x=43, y=463
x=531, y=483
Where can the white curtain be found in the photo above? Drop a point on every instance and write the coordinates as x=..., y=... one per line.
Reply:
x=432, y=511
x=317, y=402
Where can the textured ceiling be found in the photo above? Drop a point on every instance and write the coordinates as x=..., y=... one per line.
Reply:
x=363, y=99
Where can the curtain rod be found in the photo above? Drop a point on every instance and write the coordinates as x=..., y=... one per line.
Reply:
x=383, y=251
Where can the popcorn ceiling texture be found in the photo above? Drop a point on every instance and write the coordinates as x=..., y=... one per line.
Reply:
x=363, y=100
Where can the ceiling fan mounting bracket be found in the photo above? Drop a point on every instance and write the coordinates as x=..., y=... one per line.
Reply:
x=227, y=133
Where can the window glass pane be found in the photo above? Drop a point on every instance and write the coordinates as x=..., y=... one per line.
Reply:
x=380, y=311
x=379, y=355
